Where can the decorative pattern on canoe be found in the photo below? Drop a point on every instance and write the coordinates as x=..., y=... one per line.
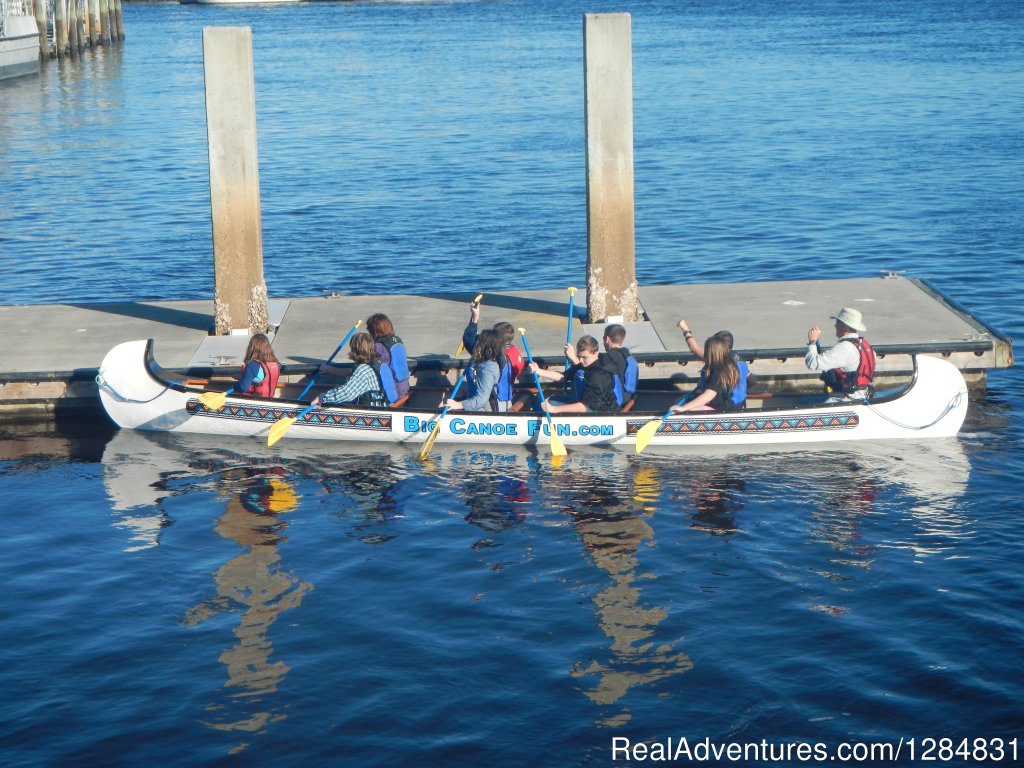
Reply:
x=316, y=418
x=725, y=425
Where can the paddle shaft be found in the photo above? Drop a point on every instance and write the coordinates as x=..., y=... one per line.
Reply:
x=568, y=327
x=330, y=359
x=536, y=380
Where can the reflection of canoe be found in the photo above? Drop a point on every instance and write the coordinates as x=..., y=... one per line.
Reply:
x=137, y=396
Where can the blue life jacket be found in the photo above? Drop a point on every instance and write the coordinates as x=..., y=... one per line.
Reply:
x=739, y=395
x=579, y=380
x=626, y=372
x=502, y=390
x=399, y=362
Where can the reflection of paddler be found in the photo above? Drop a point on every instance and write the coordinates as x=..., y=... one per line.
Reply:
x=252, y=582
x=611, y=522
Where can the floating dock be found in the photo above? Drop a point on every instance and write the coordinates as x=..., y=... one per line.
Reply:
x=52, y=353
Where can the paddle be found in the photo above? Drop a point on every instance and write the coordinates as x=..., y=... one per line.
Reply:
x=436, y=430
x=462, y=347
x=215, y=400
x=281, y=426
x=557, y=449
x=568, y=330
x=650, y=429
x=329, y=359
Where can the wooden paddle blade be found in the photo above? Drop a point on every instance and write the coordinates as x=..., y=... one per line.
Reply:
x=459, y=349
x=429, y=442
x=557, y=447
x=277, y=431
x=646, y=432
x=213, y=400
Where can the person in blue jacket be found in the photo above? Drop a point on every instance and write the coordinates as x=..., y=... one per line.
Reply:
x=483, y=394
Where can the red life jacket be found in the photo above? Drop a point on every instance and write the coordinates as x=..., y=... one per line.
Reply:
x=848, y=381
x=515, y=359
x=267, y=387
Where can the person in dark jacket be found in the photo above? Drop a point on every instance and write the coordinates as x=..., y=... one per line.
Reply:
x=598, y=390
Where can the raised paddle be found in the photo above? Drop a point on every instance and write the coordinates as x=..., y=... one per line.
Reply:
x=650, y=429
x=329, y=359
x=568, y=330
x=436, y=429
x=462, y=347
x=557, y=448
x=281, y=426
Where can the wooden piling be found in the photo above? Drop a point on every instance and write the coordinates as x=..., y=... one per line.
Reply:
x=73, y=28
x=44, y=39
x=240, y=292
x=104, y=23
x=83, y=15
x=95, y=34
x=58, y=29
x=611, y=244
x=119, y=19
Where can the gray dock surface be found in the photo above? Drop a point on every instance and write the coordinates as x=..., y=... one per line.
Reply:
x=50, y=346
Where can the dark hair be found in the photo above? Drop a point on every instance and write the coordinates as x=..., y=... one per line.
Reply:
x=378, y=325
x=259, y=349
x=488, y=346
x=360, y=349
x=588, y=343
x=506, y=331
x=725, y=336
x=616, y=333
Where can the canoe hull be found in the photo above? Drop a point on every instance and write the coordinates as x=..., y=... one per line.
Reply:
x=933, y=405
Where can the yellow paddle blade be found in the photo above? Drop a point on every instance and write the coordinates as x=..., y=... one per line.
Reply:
x=429, y=442
x=213, y=400
x=557, y=448
x=277, y=431
x=646, y=432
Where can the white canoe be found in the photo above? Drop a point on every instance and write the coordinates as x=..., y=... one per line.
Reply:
x=137, y=396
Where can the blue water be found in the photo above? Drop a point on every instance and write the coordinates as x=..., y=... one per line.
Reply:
x=201, y=602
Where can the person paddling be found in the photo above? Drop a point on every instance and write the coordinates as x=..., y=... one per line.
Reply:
x=390, y=350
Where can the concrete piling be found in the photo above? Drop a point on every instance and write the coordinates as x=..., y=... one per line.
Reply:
x=240, y=292
x=611, y=244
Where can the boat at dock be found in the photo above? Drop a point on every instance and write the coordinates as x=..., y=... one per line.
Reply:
x=19, y=39
x=137, y=394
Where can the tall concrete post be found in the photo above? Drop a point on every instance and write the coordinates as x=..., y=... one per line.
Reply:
x=240, y=293
x=611, y=244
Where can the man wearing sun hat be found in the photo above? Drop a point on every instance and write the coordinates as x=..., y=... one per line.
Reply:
x=848, y=366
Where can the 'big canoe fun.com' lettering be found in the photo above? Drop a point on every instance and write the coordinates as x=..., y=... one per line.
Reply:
x=460, y=426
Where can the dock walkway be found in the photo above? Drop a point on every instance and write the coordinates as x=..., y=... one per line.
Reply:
x=51, y=353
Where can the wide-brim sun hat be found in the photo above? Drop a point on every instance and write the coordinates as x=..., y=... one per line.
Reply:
x=851, y=318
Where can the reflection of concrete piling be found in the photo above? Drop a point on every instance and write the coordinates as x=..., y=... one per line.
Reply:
x=608, y=74
x=240, y=293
